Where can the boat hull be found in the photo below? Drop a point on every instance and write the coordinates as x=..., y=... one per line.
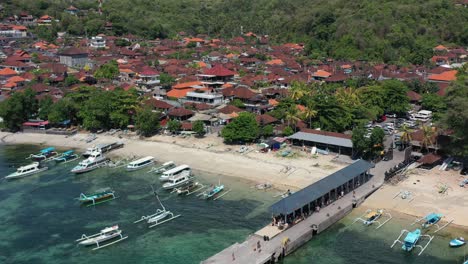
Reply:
x=140, y=167
x=99, y=239
x=18, y=176
x=170, y=186
x=456, y=243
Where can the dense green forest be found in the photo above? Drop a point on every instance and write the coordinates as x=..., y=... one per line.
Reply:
x=387, y=30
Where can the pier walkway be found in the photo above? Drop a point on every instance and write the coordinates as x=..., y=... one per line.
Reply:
x=303, y=231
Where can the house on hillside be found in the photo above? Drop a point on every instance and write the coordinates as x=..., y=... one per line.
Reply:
x=74, y=57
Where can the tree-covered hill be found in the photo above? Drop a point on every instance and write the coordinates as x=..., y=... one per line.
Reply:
x=384, y=30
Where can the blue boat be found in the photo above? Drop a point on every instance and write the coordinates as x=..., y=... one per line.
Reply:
x=44, y=154
x=213, y=191
x=66, y=156
x=457, y=242
x=411, y=240
x=431, y=219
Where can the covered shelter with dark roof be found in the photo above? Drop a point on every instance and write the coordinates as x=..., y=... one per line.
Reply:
x=322, y=192
x=331, y=141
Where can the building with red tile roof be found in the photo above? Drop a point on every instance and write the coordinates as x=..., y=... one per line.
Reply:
x=446, y=76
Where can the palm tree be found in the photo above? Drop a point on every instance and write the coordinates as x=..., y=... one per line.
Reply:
x=292, y=116
x=428, y=136
x=298, y=90
x=406, y=135
x=348, y=96
x=309, y=113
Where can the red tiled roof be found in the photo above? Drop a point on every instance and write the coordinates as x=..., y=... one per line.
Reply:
x=219, y=71
x=265, y=119
x=7, y=71
x=447, y=76
x=325, y=133
x=430, y=158
x=228, y=109
x=243, y=93
x=414, y=96
x=158, y=104
x=187, y=85
x=176, y=93
x=179, y=112
x=186, y=126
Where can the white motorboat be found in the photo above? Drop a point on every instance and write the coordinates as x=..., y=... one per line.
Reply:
x=174, y=172
x=140, y=163
x=178, y=180
x=98, y=239
x=94, y=161
x=27, y=170
x=164, y=167
x=102, y=148
x=161, y=216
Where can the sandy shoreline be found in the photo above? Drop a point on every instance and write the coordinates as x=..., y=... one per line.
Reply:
x=423, y=188
x=206, y=155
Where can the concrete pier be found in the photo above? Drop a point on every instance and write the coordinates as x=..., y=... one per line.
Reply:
x=302, y=232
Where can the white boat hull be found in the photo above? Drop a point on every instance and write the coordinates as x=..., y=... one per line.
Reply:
x=140, y=167
x=170, y=186
x=29, y=173
x=99, y=239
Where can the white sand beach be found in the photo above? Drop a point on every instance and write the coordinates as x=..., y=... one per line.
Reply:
x=208, y=155
x=423, y=186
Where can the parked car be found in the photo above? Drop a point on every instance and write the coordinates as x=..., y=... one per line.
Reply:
x=391, y=115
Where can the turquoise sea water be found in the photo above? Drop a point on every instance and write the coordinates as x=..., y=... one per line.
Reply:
x=40, y=219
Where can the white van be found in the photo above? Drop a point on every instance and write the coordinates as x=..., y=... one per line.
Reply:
x=423, y=115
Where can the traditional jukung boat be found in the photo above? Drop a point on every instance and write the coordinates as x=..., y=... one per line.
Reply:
x=100, y=238
x=93, y=162
x=457, y=242
x=27, y=170
x=164, y=167
x=168, y=174
x=213, y=191
x=411, y=240
x=178, y=180
x=100, y=196
x=140, y=163
x=189, y=189
x=67, y=156
x=44, y=154
x=160, y=217
x=373, y=216
x=103, y=148
x=431, y=219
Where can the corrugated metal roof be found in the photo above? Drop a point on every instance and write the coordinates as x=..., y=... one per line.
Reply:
x=324, y=139
x=314, y=191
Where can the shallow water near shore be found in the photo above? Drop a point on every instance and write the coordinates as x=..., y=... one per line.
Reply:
x=40, y=219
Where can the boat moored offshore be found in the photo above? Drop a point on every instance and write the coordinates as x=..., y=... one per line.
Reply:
x=94, y=161
x=411, y=240
x=174, y=172
x=67, y=156
x=140, y=163
x=27, y=170
x=100, y=238
x=178, y=180
x=44, y=154
x=457, y=242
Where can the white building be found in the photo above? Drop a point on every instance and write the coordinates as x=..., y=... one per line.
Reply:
x=207, y=98
x=97, y=42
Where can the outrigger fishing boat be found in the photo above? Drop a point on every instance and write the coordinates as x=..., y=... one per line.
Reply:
x=411, y=240
x=93, y=162
x=44, y=154
x=98, y=239
x=457, y=242
x=100, y=196
x=178, y=180
x=164, y=167
x=213, y=191
x=67, y=156
x=190, y=188
x=431, y=219
x=373, y=216
x=158, y=218
x=168, y=174
x=27, y=170
x=140, y=163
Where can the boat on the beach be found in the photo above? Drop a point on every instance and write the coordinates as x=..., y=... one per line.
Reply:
x=190, y=188
x=164, y=167
x=178, y=180
x=90, y=138
x=100, y=238
x=411, y=240
x=67, y=156
x=168, y=174
x=26, y=170
x=94, y=161
x=457, y=242
x=44, y=154
x=140, y=163
x=100, y=196
x=102, y=148
x=373, y=216
x=263, y=186
x=431, y=219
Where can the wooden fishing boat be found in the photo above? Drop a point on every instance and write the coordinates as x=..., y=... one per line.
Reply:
x=431, y=219
x=100, y=238
x=44, y=154
x=100, y=196
x=27, y=170
x=160, y=217
x=411, y=240
x=67, y=156
x=373, y=216
x=457, y=242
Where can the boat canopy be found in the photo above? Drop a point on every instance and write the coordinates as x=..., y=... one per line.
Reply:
x=136, y=162
x=47, y=150
x=413, y=237
x=176, y=169
x=433, y=216
x=68, y=152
